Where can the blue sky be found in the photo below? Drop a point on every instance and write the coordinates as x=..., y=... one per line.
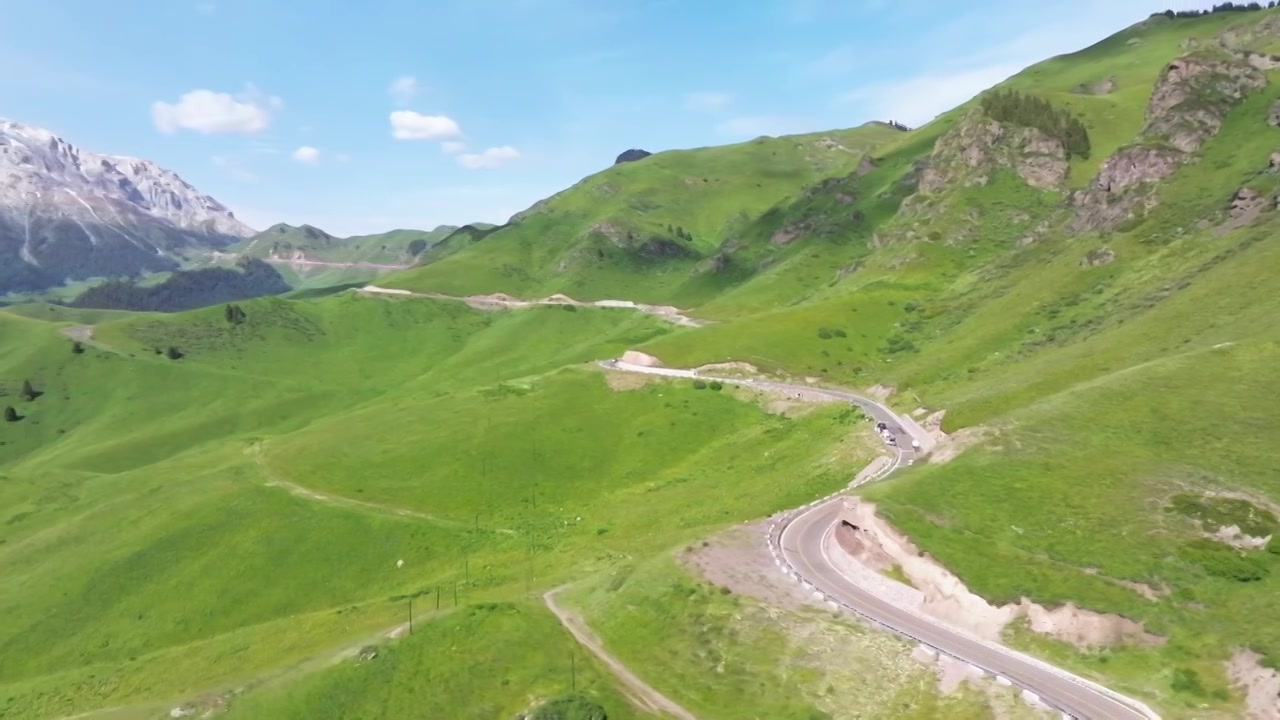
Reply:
x=363, y=116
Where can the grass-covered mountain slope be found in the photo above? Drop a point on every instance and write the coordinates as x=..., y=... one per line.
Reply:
x=311, y=258
x=213, y=508
x=1099, y=312
x=655, y=229
x=284, y=242
x=224, y=523
x=187, y=289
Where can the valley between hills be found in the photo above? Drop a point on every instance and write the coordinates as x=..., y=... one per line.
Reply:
x=968, y=420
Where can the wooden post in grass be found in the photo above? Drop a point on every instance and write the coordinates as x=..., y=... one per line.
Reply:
x=410, y=615
x=573, y=673
x=455, y=593
x=437, y=597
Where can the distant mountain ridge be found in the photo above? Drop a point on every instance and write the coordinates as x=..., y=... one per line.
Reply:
x=307, y=244
x=67, y=213
x=188, y=289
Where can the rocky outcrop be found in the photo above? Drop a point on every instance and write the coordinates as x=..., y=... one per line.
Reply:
x=1188, y=104
x=789, y=233
x=1273, y=114
x=1102, y=87
x=978, y=146
x=1246, y=206
x=1246, y=201
x=865, y=165
x=1194, y=94
x=1136, y=165
x=1100, y=256
x=1114, y=195
x=632, y=155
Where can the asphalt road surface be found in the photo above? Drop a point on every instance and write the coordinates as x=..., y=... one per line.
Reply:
x=804, y=545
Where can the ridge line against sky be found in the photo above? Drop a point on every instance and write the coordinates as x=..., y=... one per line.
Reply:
x=360, y=119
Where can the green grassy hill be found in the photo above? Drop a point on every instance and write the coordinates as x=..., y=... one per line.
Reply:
x=396, y=247
x=649, y=230
x=332, y=261
x=177, y=529
x=230, y=527
x=1114, y=338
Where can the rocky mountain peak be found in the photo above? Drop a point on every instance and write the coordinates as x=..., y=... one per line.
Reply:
x=70, y=213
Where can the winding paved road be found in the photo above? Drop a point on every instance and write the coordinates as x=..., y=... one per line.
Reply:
x=801, y=544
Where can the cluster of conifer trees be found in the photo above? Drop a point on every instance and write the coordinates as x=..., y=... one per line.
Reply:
x=1221, y=7
x=1015, y=108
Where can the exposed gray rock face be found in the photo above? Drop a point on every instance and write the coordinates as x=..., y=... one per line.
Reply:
x=1101, y=256
x=1187, y=107
x=69, y=214
x=978, y=145
x=1194, y=94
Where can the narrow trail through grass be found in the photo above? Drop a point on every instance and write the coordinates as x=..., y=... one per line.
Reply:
x=640, y=693
x=304, y=492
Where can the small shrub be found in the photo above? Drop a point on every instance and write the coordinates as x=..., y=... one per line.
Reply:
x=11, y=415
x=699, y=384
x=77, y=347
x=716, y=385
x=1224, y=561
x=1187, y=681
x=173, y=353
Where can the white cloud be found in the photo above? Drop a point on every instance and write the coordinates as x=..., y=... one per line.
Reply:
x=917, y=100
x=409, y=125
x=452, y=147
x=307, y=155
x=747, y=127
x=707, y=101
x=233, y=168
x=209, y=112
x=404, y=89
x=494, y=157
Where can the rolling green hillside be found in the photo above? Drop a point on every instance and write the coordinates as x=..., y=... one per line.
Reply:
x=309, y=257
x=176, y=529
x=204, y=512
x=1107, y=318
x=396, y=247
x=649, y=230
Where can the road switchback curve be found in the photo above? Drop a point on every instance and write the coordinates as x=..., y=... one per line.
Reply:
x=800, y=540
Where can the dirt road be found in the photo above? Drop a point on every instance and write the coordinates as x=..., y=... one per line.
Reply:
x=641, y=694
x=498, y=301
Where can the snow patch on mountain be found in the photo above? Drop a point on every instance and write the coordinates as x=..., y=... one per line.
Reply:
x=70, y=213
